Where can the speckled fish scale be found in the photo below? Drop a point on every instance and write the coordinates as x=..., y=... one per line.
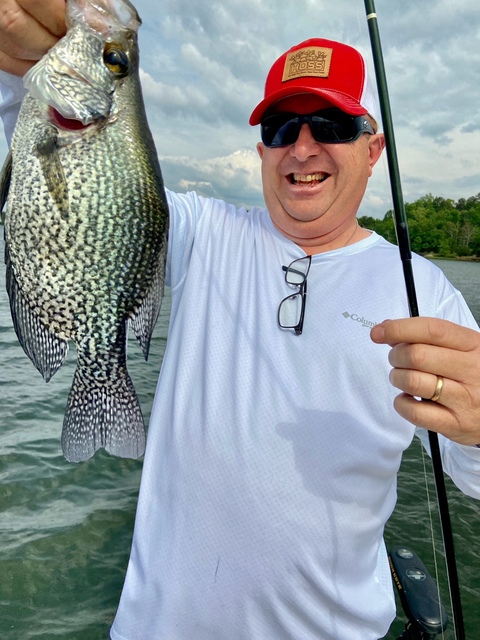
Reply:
x=86, y=224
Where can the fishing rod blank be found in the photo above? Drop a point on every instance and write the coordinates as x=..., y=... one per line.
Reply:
x=403, y=239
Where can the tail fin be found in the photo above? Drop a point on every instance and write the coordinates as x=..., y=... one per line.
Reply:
x=102, y=415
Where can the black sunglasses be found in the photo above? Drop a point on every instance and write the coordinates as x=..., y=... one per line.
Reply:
x=330, y=126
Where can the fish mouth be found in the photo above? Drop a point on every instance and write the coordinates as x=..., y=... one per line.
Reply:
x=68, y=124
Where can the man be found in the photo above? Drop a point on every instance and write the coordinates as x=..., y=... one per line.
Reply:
x=273, y=448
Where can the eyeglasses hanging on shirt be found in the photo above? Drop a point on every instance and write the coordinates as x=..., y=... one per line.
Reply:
x=291, y=311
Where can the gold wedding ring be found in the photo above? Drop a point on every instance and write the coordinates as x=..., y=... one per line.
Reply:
x=438, y=390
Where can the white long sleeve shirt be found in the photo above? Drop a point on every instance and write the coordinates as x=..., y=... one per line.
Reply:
x=272, y=458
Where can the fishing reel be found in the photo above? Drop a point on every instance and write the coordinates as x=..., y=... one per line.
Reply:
x=418, y=594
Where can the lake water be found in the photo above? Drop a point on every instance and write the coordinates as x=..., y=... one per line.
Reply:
x=66, y=529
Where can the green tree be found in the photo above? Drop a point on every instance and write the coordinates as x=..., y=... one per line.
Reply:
x=437, y=226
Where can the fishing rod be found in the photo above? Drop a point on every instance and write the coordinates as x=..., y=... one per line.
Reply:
x=403, y=240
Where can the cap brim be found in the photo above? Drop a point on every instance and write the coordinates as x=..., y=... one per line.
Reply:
x=338, y=99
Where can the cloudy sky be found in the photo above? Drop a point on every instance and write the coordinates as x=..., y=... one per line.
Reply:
x=204, y=66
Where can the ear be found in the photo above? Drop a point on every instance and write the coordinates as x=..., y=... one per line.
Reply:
x=260, y=149
x=376, y=145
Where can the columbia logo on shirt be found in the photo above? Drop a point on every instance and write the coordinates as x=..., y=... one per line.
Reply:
x=360, y=319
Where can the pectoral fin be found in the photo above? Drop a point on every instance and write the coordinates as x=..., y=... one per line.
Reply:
x=52, y=169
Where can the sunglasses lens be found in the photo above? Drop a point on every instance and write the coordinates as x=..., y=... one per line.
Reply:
x=332, y=127
x=280, y=129
x=327, y=126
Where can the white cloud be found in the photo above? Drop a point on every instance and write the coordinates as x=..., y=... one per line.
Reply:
x=236, y=175
x=168, y=98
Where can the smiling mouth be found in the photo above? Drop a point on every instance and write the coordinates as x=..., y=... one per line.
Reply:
x=310, y=179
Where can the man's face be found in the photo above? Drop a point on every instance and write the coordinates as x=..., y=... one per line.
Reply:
x=313, y=190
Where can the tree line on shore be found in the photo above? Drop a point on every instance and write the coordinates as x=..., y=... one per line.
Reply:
x=437, y=226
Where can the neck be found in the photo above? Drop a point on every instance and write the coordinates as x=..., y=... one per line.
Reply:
x=350, y=235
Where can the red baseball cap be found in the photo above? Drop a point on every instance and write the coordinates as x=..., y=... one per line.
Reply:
x=329, y=69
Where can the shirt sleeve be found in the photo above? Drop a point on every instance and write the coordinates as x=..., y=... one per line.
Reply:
x=12, y=92
x=185, y=212
x=460, y=462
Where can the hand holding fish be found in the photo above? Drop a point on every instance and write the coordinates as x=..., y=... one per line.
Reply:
x=424, y=351
x=28, y=29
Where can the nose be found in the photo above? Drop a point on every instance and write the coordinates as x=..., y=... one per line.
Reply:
x=305, y=146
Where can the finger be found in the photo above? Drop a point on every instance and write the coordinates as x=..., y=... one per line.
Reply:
x=49, y=13
x=15, y=66
x=423, y=385
x=436, y=417
x=428, y=415
x=434, y=360
x=21, y=35
x=433, y=331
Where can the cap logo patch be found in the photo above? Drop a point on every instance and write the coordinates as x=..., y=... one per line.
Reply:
x=311, y=62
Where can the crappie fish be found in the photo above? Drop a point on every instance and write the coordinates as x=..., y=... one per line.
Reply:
x=86, y=223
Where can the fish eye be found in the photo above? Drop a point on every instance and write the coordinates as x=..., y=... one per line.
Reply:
x=116, y=60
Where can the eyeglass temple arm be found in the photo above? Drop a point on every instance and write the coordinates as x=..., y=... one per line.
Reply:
x=299, y=273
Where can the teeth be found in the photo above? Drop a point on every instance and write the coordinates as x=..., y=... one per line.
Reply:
x=310, y=177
